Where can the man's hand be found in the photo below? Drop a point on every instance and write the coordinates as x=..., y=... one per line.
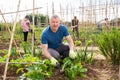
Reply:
x=54, y=62
x=72, y=54
x=75, y=26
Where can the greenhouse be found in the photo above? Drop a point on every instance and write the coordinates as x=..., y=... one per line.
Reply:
x=59, y=40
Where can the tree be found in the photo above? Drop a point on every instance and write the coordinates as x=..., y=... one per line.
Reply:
x=38, y=19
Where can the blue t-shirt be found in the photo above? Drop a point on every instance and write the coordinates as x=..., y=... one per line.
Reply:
x=54, y=39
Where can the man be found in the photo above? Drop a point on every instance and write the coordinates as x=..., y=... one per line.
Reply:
x=75, y=23
x=101, y=23
x=51, y=41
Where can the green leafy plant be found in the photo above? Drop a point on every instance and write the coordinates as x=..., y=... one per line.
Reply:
x=3, y=56
x=38, y=71
x=83, y=55
x=26, y=47
x=109, y=45
x=77, y=43
x=3, y=59
x=73, y=69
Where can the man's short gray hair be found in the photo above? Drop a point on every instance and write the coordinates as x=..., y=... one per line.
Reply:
x=55, y=16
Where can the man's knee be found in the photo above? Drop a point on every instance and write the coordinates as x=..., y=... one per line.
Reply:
x=54, y=53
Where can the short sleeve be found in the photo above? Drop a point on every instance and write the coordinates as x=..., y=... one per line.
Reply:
x=66, y=33
x=44, y=39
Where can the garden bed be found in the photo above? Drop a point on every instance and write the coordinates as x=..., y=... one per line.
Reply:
x=100, y=69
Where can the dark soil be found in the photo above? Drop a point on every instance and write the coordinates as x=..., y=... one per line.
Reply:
x=98, y=70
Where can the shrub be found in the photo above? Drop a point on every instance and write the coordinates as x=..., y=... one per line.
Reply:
x=109, y=45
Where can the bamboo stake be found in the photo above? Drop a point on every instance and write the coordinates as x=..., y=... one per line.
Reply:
x=7, y=27
x=47, y=16
x=21, y=62
x=117, y=15
x=22, y=11
x=10, y=46
x=106, y=9
x=9, y=30
x=95, y=14
x=119, y=71
x=53, y=11
x=83, y=15
x=67, y=14
x=71, y=10
x=33, y=29
x=91, y=20
x=60, y=11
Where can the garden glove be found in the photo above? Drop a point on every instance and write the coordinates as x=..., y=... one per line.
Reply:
x=72, y=54
x=54, y=62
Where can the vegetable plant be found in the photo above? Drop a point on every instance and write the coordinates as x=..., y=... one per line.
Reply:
x=38, y=71
x=73, y=69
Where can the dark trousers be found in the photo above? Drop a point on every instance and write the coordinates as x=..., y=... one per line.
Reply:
x=99, y=28
x=25, y=36
x=61, y=52
x=77, y=32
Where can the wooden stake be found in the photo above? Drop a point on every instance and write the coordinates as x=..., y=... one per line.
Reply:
x=10, y=46
x=33, y=36
x=7, y=27
x=9, y=31
x=119, y=72
x=21, y=62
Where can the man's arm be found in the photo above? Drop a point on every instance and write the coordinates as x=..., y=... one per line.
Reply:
x=72, y=22
x=72, y=25
x=70, y=42
x=77, y=22
x=72, y=54
x=47, y=55
x=45, y=51
x=107, y=26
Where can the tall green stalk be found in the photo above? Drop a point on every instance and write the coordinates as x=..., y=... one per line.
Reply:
x=109, y=45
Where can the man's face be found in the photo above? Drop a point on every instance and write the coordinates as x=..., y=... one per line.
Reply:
x=54, y=24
